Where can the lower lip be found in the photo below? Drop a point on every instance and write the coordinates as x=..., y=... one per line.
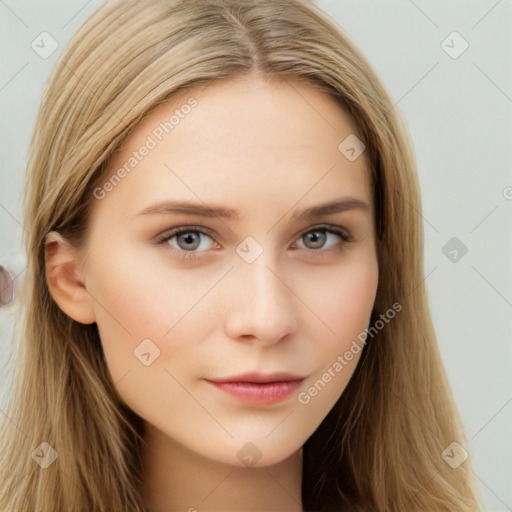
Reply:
x=261, y=394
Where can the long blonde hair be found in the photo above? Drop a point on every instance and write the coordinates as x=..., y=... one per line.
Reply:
x=380, y=448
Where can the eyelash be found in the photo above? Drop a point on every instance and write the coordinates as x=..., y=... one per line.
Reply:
x=192, y=255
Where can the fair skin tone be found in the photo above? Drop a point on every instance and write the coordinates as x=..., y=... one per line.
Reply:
x=268, y=151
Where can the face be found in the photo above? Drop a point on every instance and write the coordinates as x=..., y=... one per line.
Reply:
x=232, y=266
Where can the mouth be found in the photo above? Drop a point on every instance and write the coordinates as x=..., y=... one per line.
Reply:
x=259, y=389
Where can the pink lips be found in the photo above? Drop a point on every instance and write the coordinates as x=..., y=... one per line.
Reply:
x=259, y=389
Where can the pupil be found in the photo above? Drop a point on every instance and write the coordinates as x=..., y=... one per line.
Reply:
x=317, y=239
x=189, y=239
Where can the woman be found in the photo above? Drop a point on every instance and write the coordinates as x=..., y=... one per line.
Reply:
x=225, y=297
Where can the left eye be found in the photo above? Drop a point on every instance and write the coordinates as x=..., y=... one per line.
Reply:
x=318, y=238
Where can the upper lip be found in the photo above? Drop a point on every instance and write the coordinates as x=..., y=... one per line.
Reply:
x=258, y=377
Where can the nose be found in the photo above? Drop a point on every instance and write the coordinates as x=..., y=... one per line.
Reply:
x=261, y=307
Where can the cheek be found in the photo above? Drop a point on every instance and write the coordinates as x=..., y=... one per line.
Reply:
x=136, y=301
x=356, y=296
x=344, y=305
x=345, y=300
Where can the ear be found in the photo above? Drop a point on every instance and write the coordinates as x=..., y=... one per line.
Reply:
x=65, y=280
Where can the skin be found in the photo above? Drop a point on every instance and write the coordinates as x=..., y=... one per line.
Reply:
x=267, y=150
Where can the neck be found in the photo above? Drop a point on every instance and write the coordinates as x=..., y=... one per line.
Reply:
x=177, y=479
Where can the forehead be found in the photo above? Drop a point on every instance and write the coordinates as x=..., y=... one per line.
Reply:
x=243, y=139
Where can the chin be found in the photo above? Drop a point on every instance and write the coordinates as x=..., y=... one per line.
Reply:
x=258, y=453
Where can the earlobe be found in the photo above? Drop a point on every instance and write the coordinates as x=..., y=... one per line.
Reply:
x=65, y=281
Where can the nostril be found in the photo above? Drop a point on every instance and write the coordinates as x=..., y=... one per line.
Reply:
x=6, y=287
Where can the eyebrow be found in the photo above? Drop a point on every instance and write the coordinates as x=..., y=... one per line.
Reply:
x=204, y=210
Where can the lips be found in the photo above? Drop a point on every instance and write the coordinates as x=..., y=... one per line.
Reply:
x=259, y=388
x=259, y=378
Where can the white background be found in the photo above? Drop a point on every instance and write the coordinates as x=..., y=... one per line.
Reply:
x=459, y=114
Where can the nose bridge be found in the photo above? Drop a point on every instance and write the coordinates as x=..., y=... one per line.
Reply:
x=264, y=308
x=267, y=288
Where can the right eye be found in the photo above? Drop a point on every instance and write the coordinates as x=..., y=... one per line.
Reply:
x=189, y=240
